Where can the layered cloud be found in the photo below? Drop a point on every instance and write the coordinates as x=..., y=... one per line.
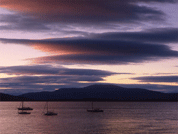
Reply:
x=50, y=70
x=97, y=51
x=46, y=77
x=171, y=79
x=159, y=35
x=37, y=15
x=22, y=22
x=86, y=11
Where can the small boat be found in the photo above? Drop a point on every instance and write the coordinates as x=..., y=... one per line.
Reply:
x=48, y=113
x=24, y=108
x=94, y=110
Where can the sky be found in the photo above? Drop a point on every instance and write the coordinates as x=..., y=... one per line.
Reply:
x=48, y=44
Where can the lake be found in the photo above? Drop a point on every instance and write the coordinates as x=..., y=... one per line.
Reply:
x=72, y=118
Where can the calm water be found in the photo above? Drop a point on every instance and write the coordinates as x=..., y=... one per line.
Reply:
x=72, y=118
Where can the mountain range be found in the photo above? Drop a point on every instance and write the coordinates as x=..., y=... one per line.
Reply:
x=101, y=93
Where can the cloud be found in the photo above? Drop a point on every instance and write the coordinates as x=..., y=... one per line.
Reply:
x=50, y=70
x=46, y=77
x=165, y=74
x=96, y=51
x=162, y=1
x=66, y=17
x=49, y=80
x=22, y=22
x=157, y=79
x=95, y=59
x=93, y=11
x=159, y=35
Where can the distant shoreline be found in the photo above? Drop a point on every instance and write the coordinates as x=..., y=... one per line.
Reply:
x=91, y=100
x=102, y=93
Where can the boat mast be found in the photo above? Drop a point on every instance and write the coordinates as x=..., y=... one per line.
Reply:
x=47, y=107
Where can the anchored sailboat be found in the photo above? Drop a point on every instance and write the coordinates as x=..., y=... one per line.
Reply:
x=48, y=113
x=94, y=109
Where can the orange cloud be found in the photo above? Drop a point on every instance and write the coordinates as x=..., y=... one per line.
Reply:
x=66, y=7
x=60, y=49
x=33, y=6
x=86, y=11
x=53, y=49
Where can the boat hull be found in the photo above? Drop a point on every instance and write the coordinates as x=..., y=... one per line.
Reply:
x=50, y=114
x=94, y=110
x=25, y=108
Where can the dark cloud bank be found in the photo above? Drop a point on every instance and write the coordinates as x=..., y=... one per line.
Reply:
x=50, y=70
x=106, y=48
x=158, y=35
x=37, y=15
x=157, y=79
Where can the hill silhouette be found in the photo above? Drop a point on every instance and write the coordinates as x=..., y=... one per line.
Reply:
x=102, y=93
x=6, y=97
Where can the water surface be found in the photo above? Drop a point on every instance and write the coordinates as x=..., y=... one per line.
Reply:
x=72, y=118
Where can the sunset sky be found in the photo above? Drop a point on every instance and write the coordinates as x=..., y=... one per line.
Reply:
x=50, y=44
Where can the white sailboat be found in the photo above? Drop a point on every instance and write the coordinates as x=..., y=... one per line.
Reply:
x=48, y=113
x=94, y=109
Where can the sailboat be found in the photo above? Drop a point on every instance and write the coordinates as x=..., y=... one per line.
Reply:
x=94, y=110
x=24, y=108
x=49, y=113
